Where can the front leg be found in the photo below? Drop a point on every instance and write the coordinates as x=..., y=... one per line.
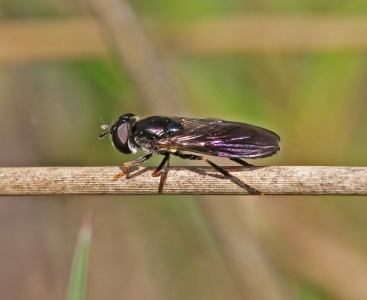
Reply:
x=127, y=165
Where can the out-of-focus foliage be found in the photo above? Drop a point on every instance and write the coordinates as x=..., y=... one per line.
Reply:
x=163, y=247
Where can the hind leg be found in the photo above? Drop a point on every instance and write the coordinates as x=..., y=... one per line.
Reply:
x=225, y=173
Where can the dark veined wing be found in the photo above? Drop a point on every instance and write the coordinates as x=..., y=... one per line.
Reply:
x=221, y=138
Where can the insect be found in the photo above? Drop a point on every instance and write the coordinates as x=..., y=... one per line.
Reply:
x=173, y=135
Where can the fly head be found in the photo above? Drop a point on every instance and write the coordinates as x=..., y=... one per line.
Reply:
x=121, y=133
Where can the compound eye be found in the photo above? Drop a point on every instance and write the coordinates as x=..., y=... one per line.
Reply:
x=123, y=133
x=120, y=138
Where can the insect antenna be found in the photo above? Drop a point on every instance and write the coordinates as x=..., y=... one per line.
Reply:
x=104, y=127
x=103, y=134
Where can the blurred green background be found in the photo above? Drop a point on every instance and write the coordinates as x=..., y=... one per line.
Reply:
x=180, y=247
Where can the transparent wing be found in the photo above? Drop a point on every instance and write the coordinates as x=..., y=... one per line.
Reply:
x=221, y=138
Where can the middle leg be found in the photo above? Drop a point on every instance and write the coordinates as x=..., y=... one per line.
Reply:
x=158, y=172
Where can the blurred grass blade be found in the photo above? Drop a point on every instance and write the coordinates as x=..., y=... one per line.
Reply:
x=78, y=276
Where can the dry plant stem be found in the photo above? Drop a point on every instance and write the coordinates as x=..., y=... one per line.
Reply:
x=275, y=180
x=34, y=40
x=292, y=34
x=138, y=54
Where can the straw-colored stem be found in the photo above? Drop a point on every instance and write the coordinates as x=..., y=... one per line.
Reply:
x=276, y=180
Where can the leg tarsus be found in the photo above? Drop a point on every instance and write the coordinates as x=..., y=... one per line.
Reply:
x=119, y=175
x=127, y=165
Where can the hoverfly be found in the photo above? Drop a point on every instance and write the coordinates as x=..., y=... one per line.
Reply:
x=173, y=135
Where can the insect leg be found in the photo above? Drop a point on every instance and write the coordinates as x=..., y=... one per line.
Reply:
x=234, y=179
x=237, y=181
x=188, y=156
x=241, y=162
x=127, y=165
x=158, y=171
x=162, y=180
